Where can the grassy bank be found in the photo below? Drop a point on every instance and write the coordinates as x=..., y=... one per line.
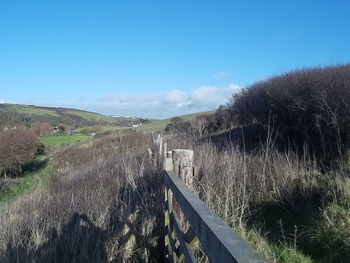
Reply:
x=37, y=175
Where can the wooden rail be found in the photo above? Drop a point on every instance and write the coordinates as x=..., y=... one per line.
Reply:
x=219, y=242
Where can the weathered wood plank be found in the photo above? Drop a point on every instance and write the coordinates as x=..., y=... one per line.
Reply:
x=219, y=241
x=184, y=247
x=168, y=225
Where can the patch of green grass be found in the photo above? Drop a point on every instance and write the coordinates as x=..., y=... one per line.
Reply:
x=22, y=185
x=63, y=139
x=282, y=253
x=32, y=110
x=286, y=254
x=30, y=180
x=330, y=237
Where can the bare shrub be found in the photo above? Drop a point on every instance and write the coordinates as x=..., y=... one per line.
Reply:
x=17, y=147
x=178, y=125
x=218, y=121
x=306, y=106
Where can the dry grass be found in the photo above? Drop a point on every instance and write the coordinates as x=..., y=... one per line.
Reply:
x=103, y=205
x=237, y=186
x=105, y=202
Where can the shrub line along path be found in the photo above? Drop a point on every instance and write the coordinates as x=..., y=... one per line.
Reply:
x=38, y=172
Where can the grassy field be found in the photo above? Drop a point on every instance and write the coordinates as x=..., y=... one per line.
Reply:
x=32, y=110
x=55, y=116
x=63, y=139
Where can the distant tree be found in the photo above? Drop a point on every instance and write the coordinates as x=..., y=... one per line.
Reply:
x=96, y=128
x=42, y=128
x=85, y=131
x=45, y=128
x=178, y=125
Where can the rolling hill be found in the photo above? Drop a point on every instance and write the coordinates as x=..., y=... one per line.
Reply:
x=159, y=125
x=29, y=113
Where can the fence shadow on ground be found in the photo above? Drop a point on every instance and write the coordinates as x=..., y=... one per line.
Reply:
x=80, y=240
x=77, y=241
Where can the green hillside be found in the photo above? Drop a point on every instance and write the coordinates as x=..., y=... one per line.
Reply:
x=30, y=113
x=159, y=125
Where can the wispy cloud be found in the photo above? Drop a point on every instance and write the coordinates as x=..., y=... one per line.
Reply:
x=159, y=105
x=221, y=75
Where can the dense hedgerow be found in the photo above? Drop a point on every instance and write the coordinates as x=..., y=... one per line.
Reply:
x=17, y=148
x=309, y=106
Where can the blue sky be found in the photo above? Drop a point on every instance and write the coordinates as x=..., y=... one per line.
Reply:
x=159, y=58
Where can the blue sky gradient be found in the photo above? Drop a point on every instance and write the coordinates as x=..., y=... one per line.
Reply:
x=159, y=58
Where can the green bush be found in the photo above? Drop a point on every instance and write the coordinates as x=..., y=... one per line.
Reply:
x=84, y=131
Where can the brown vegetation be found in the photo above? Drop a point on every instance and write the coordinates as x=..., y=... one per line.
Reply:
x=105, y=200
x=308, y=106
x=104, y=205
x=278, y=201
x=17, y=148
x=42, y=128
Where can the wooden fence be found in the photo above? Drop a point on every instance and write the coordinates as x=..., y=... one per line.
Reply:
x=217, y=240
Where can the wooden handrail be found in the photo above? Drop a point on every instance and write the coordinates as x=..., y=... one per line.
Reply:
x=219, y=242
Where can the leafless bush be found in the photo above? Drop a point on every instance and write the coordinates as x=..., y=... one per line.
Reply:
x=220, y=120
x=306, y=106
x=17, y=148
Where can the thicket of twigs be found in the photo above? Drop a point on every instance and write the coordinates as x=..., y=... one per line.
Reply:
x=306, y=107
x=17, y=148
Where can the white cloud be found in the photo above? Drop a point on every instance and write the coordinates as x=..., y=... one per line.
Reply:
x=2, y=101
x=221, y=75
x=157, y=105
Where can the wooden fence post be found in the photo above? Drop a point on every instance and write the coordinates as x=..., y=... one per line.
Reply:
x=160, y=146
x=169, y=161
x=183, y=165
